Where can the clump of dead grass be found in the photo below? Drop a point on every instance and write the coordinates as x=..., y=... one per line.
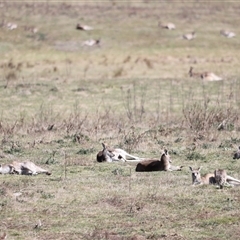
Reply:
x=204, y=116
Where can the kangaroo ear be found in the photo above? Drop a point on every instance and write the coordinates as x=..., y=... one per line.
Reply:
x=165, y=151
x=191, y=168
x=199, y=169
x=104, y=146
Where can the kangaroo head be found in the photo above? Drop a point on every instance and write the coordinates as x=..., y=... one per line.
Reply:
x=196, y=175
x=165, y=160
x=190, y=71
x=105, y=155
x=165, y=156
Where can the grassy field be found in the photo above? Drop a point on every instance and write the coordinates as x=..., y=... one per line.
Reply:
x=60, y=100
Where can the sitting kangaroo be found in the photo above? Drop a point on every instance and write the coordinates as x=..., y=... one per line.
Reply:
x=117, y=154
x=164, y=164
x=210, y=178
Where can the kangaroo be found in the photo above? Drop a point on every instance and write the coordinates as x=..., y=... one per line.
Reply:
x=6, y=169
x=194, y=74
x=209, y=76
x=164, y=164
x=206, y=76
x=31, y=29
x=12, y=26
x=237, y=154
x=91, y=43
x=169, y=26
x=227, y=34
x=28, y=168
x=83, y=27
x=189, y=36
x=209, y=178
x=117, y=154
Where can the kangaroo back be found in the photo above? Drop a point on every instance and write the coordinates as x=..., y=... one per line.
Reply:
x=32, y=169
x=155, y=165
x=28, y=168
x=148, y=166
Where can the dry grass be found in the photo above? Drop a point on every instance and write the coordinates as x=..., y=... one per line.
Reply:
x=60, y=101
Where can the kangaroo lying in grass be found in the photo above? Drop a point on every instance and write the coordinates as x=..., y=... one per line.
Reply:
x=164, y=164
x=116, y=154
x=219, y=177
x=22, y=168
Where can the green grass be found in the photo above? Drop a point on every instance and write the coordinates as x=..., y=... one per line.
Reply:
x=132, y=92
